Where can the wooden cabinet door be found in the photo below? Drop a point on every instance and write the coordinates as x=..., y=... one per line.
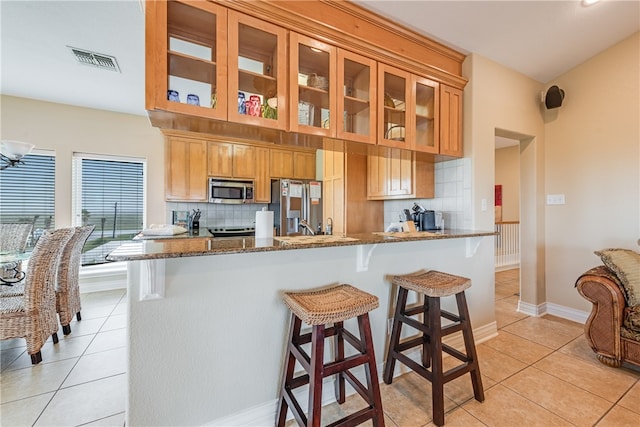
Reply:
x=281, y=163
x=257, y=67
x=312, y=86
x=391, y=173
x=357, y=97
x=185, y=170
x=262, y=188
x=186, y=52
x=333, y=184
x=425, y=115
x=244, y=161
x=304, y=165
x=220, y=159
x=451, y=121
x=395, y=98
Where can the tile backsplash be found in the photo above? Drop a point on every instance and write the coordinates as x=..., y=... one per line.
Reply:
x=218, y=215
x=452, y=198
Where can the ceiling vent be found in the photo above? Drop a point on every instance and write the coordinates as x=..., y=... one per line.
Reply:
x=99, y=60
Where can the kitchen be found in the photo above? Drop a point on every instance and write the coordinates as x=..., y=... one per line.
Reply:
x=128, y=134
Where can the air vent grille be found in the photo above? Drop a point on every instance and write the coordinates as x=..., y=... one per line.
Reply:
x=99, y=60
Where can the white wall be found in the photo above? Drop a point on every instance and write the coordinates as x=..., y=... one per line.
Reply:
x=67, y=129
x=593, y=158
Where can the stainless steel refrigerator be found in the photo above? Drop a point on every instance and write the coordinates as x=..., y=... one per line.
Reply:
x=294, y=200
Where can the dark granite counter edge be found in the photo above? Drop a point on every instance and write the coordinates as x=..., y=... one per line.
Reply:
x=248, y=245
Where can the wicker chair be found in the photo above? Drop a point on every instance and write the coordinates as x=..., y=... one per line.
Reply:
x=67, y=289
x=13, y=237
x=33, y=315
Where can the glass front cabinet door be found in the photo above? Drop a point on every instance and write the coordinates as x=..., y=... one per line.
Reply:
x=356, y=113
x=190, y=58
x=425, y=123
x=394, y=91
x=312, y=77
x=257, y=72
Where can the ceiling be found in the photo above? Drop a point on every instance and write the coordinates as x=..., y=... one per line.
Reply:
x=541, y=39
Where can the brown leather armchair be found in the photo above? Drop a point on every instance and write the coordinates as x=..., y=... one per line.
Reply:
x=605, y=331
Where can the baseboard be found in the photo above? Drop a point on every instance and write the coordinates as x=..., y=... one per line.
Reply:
x=265, y=414
x=572, y=314
x=104, y=277
x=532, y=309
x=507, y=267
x=578, y=316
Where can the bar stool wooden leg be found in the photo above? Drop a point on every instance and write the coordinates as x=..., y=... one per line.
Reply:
x=287, y=375
x=437, y=375
x=470, y=347
x=315, y=376
x=339, y=343
x=395, y=336
x=426, y=346
x=373, y=386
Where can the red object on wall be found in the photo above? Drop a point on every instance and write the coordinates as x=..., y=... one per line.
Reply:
x=498, y=195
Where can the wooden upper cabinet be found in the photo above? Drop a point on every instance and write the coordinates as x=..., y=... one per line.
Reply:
x=394, y=93
x=220, y=159
x=357, y=96
x=228, y=160
x=312, y=86
x=244, y=161
x=408, y=116
x=186, y=58
x=185, y=170
x=451, y=121
x=425, y=115
x=304, y=165
x=281, y=163
x=257, y=72
x=262, y=188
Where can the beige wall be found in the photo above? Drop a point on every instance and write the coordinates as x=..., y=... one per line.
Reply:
x=593, y=158
x=508, y=175
x=67, y=129
x=498, y=100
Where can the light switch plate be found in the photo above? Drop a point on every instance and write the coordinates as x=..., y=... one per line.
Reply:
x=555, y=199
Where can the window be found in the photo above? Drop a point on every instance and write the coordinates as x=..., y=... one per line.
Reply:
x=108, y=193
x=27, y=194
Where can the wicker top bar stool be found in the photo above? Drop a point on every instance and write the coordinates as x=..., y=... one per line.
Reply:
x=318, y=308
x=433, y=285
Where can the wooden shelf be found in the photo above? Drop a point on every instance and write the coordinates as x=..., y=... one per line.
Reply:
x=317, y=97
x=257, y=83
x=355, y=105
x=192, y=68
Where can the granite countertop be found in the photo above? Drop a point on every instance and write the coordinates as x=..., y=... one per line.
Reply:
x=186, y=245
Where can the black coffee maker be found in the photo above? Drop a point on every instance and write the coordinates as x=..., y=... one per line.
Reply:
x=425, y=220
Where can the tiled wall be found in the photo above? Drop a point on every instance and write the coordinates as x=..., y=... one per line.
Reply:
x=216, y=215
x=452, y=198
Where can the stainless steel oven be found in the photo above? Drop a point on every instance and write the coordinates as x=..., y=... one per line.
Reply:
x=230, y=191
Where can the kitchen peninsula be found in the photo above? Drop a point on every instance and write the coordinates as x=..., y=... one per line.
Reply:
x=207, y=327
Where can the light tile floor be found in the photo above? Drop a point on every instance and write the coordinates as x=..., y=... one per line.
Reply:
x=537, y=372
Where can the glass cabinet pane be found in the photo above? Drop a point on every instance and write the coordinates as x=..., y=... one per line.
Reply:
x=312, y=92
x=426, y=107
x=396, y=97
x=356, y=94
x=257, y=71
x=193, y=73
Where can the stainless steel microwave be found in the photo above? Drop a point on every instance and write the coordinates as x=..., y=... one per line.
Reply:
x=230, y=191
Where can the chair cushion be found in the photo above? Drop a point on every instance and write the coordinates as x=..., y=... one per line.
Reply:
x=632, y=319
x=625, y=263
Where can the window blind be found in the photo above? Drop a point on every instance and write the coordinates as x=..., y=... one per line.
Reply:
x=109, y=195
x=27, y=194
